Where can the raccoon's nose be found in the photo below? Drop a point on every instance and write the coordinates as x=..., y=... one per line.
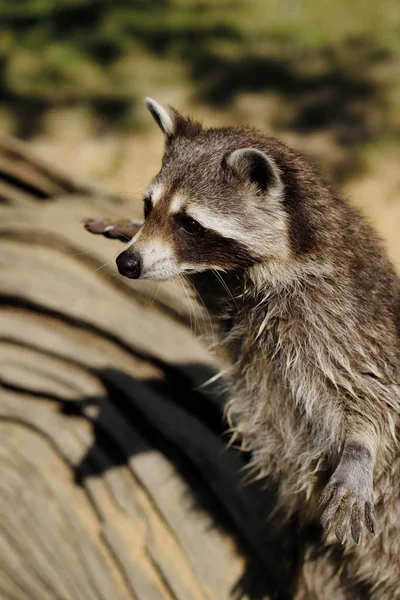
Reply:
x=129, y=264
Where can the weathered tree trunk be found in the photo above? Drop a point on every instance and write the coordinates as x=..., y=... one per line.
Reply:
x=115, y=480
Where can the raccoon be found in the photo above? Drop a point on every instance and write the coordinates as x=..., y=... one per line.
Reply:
x=308, y=311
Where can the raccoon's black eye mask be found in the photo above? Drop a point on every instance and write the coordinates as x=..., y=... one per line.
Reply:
x=189, y=225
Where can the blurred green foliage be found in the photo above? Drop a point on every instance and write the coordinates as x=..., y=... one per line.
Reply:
x=335, y=65
x=69, y=51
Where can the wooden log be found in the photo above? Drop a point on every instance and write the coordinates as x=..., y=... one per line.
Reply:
x=116, y=482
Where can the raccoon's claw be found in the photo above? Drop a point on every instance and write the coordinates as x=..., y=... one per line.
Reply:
x=120, y=229
x=351, y=509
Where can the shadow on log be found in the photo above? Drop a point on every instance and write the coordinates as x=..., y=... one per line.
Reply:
x=116, y=480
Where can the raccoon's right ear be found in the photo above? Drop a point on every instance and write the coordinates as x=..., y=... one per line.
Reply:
x=170, y=121
x=161, y=115
x=255, y=167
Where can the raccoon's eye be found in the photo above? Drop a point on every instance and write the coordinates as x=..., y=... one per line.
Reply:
x=191, y=226
x=147, y=207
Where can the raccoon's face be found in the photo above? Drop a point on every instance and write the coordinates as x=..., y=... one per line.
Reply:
x=215, y=204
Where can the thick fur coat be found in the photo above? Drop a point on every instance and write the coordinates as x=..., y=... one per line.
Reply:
x=307, y=306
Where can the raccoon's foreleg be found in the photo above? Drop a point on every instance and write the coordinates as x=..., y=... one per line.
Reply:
x=119, y=229
x=349, y=493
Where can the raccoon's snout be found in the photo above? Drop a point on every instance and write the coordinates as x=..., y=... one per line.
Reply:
x=129, y=264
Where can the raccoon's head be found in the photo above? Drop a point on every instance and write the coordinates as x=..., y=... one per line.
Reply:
x=215, y=204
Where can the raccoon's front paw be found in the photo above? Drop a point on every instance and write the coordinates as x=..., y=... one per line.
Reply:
x=120, y=229
x=349, y=499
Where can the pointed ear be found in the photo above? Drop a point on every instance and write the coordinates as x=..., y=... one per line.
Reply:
x=170, y=121
x=162, y=116
x=255, y=167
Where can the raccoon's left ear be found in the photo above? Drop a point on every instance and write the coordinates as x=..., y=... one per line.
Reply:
x=170, y=121
x=255, y=167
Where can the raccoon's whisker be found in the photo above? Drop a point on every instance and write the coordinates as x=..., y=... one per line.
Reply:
x=205, y=327
x=137, y=181
x=192, y=305
x=189, y=303
x=130, y=193
x=107, y=263
x=75, y=254
x=102, y=266
x=212, y=379
x=72, y=254
x=223, y=283
x=203, y=316
x=155, y=295
x=122, y=236
x=192, y=308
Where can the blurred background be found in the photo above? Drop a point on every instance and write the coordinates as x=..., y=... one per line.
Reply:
x=116, y=482
x=324, y=76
